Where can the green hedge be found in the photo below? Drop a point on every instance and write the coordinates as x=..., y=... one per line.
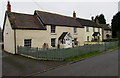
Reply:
x=110, y=40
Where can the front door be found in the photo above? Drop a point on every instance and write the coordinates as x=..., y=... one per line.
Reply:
x=68, y=44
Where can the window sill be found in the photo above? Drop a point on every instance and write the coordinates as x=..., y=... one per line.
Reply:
x=75, y=33
x=53, y=33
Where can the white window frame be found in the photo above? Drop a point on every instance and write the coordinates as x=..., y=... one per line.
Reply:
x=53, y=44
x=27, y=42
x=98, y=29
x=93, y=29
x=88, y=38
x=87, y=29
x=53, y=29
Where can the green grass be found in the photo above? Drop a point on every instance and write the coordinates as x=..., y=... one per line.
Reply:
x=84, y=56
x=114, y=48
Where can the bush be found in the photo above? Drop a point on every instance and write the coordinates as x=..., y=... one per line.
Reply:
x=95, y=40
x=110, y=40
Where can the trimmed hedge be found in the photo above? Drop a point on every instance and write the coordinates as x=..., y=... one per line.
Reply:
x=110, y=40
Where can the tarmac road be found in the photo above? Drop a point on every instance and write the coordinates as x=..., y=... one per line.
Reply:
x=0, y=59
x=101, y=65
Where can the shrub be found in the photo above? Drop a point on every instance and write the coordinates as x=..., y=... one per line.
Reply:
x=110, y=40
x=94, y=40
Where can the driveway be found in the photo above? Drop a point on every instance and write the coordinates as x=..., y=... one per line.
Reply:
x=101, y=65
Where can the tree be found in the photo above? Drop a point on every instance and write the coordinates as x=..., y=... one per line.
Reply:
x=96, y=18
x=0, y=34
x=116, y=25
x=100, y=19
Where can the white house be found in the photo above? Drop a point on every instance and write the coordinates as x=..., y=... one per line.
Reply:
x=42, y=30
x=106, y=30
x=92, y=30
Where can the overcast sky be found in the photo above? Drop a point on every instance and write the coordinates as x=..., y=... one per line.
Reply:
x=83, y=8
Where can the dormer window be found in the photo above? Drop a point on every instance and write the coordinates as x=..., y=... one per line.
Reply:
x=53, y=28
x=75, y=30
x=93, y=29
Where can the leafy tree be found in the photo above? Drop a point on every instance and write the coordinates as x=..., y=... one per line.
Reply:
x=116, y=25
x=0, y=34
x=96, y=18
x=101, y=19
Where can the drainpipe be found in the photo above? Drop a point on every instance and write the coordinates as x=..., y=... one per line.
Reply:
x=15, y=41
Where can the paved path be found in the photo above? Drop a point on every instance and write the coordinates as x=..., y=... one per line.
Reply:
x=101, y=65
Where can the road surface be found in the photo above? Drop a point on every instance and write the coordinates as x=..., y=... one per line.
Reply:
x=101, y=65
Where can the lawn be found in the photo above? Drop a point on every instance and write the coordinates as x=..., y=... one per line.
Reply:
x=91, y=54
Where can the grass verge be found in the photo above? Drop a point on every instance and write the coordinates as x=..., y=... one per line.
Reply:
x=114, y=48
x=84, y=56
x=91, y=54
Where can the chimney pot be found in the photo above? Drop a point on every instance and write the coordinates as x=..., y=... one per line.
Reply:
x=74, y=14
x=8, y=7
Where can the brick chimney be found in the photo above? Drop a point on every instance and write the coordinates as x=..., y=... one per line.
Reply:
x=74, y=14
x=8, y=7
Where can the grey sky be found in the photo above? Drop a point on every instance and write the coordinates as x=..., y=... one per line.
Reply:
x=119, y=6
x=82, y=8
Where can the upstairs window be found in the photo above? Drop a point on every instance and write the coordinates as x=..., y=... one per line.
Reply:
x=53, y=29
x=75, y=29
x=93, y=29
x=27, y=42
x=53, y=42
x=98, y=29
x=87, y=29
x=106, y=31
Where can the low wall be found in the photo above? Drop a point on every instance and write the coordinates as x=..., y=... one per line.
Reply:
x=87, y=43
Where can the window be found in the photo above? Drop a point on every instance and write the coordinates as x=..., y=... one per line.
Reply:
x=98, y=29
x=87, y=38
x=63, y=41
x=53, y=29
x=27, y=42
x=53, y=42
x=75, y=30
x=93, y=29
x=106, y=31
x=107, y=36
x=75, y=41
x=87, y=29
